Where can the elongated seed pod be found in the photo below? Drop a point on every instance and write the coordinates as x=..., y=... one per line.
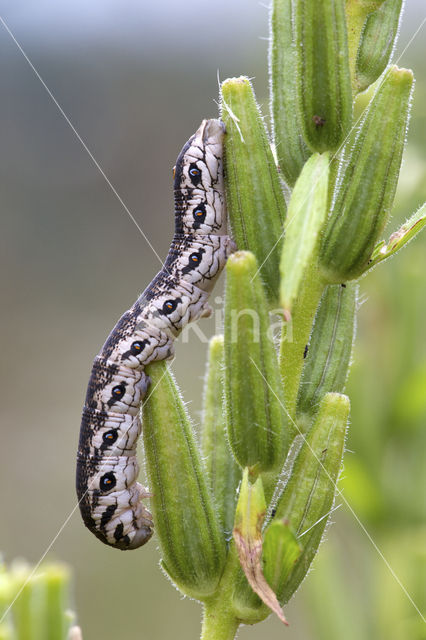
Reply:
x=109, y=496
x=323, y=75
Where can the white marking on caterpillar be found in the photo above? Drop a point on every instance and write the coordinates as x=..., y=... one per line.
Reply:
x=109, y=496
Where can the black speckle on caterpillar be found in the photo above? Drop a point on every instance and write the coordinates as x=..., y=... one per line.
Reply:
x=110, y=498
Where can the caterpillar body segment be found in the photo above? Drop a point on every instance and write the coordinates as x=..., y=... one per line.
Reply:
x=110, y=498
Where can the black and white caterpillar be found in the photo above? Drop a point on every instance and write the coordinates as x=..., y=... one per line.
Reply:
x=109, y=496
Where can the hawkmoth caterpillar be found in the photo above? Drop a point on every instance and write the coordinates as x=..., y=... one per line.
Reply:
x=110, y=498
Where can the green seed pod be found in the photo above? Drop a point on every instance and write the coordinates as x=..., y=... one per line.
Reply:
x=308, y=496
x=253, y=190
x=223, y=472
x=323, y=75
x=329, y=352
x=256, y=420
x=377, y=42
x=57, y=579
x=41, y=612
x=306, y=216
x=291, y=149
x=357, y=13
x=366, y=188
x=192, y=545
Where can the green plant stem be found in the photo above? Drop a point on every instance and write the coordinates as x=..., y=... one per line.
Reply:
x=219, y=621
x=294, y=341
x=218, y=624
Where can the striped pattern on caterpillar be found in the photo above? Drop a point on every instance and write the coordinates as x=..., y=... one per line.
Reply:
x=109, y=496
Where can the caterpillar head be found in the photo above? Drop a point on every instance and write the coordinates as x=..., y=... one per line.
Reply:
x=200, y=163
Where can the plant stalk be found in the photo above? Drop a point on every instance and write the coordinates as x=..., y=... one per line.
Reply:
x=219, y=621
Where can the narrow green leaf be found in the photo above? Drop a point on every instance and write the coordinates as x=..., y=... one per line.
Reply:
x=306, y=216
x=366, y=189
x=253, y=189
x=295, y=335
x=323, y=76
x=189, y=532
x=223, y=472
x=256, y=419
x=291, y=149
x=329, y=351
x=377, y=42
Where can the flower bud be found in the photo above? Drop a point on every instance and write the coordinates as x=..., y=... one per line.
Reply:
x=329, y=351
x=366, y=188
x=306, y=216
x=183, y=513
x=249, y=517
x=377, y=42
x=291, y=149
x=323, y=75
x=253, y=190
x=223, y=472
x=256, y=419
x=309, y=493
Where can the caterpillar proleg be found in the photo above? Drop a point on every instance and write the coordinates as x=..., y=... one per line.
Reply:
x=109, y=495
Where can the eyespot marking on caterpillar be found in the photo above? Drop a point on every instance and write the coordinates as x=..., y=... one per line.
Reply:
x=107, y=481
x=170, y=305
x=138, y=346
x=118, y=391
x=193, y=261
x=116, y=394
x=195, y=174
x=110, y=437
x=110, y=498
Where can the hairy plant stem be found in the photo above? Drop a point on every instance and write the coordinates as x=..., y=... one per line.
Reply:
x=219, y=621
x=294, y=341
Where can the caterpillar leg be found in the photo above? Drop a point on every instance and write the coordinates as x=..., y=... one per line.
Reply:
x=206, y=311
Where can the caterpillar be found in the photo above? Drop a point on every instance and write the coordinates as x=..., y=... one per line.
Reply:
x=110, y=498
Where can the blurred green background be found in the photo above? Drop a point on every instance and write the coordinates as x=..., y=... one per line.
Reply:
x=136, y=79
